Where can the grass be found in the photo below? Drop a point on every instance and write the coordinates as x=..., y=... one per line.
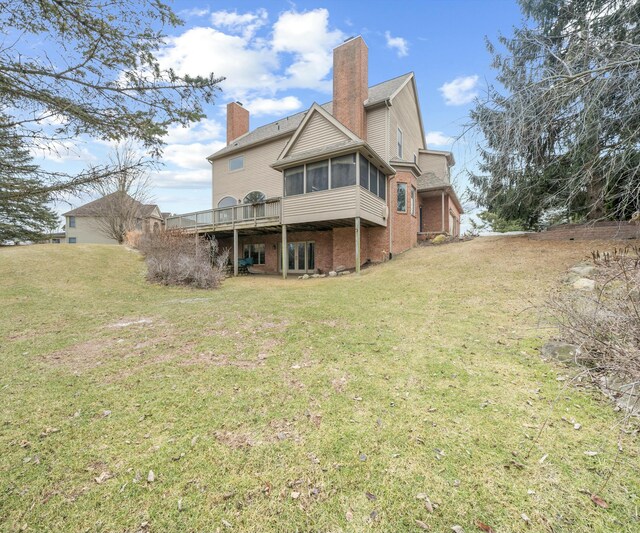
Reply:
x=323, y=405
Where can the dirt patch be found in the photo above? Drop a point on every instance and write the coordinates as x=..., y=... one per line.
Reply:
x=125, y=323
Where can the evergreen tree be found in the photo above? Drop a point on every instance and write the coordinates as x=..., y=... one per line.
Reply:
x=563, y=132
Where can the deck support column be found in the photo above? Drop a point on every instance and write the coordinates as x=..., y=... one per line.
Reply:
x=357, y=245
x=285, y=258
x=235, y=252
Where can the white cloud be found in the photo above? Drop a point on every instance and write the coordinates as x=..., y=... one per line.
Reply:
x=183, y=179
x=307, y=36
x=273, y=106
x=191, y=156
x=437, y=138
x=247, y=23
x=460, y=91
x=399, y=43
x=206, y=129
x=194, y=12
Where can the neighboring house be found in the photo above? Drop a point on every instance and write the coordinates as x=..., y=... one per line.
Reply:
x=339, y=185
x=55, y=238
x=85, y=224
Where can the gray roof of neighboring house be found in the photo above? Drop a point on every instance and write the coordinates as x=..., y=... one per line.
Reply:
x=96, y=208
x=377, y=94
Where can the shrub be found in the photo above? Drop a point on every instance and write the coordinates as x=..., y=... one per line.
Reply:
x=606, y=325
x=439, y=239
x=176, y=258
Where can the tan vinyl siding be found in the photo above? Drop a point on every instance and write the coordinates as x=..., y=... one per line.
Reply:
x=257, y=175
x=87, y=231
x=372, y=207
x=376, y=131
x=333, y=204
x=435, y=163
x=404, y=115
x=317, y=132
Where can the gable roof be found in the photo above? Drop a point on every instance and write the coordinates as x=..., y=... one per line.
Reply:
x=378, y=94
x=99, y=206
x=313, y=110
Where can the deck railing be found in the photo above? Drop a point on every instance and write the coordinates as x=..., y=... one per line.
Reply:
x=226, y=217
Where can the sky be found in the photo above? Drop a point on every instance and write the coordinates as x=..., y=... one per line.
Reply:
x=276, y=57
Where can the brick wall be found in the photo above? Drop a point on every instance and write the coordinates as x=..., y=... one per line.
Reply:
x=237, y=121
x=595, y=231
x=432, y=214
x=403, y=225
x=350, y=85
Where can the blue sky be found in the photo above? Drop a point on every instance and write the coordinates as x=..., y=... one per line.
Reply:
x=276, y=57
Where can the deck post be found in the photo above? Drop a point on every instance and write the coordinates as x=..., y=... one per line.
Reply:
x=442, y=211
x=235, y=252
x=285, y=261
x=357, y=245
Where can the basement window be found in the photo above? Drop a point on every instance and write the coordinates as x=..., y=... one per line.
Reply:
x=236, y=163
x=72, y=240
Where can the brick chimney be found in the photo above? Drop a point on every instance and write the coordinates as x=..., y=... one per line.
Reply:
x=351, y=84
x=237, y=121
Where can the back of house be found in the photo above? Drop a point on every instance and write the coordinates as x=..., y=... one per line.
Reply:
x=339, y=185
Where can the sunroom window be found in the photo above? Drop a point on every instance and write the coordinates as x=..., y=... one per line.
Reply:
x=318, y=176
x=294, y=181
x=373, y=179
x=364, y=172
x=343, y=171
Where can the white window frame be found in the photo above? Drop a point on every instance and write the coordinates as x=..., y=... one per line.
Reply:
x=238, y=157
x=400, y=143
x=226, y=206
x=405, y=197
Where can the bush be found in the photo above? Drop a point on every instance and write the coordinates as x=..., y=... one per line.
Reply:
x=439, y=239
x=176, y=258
x=606, y=325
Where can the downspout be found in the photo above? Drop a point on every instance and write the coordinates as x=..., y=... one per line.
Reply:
x=387, y=103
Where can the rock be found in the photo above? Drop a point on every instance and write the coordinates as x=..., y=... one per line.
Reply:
x=315, y=276
x=584, y=284
x=341, y=268
x=345, y=273
x=583, y=271
x=299, y=277
x=322, y=275
x=151, y=477
x=306, y=276
x=622, y=391
x=561, y=351
x=333, y=274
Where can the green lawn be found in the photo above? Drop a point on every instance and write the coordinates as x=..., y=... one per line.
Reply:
x=319, y=405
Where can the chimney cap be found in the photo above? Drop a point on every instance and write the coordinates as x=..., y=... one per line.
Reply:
x=349, y=39
x=239, y=103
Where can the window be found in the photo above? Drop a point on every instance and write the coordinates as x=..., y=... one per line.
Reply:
x=255, y=251
x=227, y=201
x=72, y=240
x=382, y=186
x=413, y=201
x=373, y=179
x=72, y=222
x=254, y=197
x=294, y=181
x=236, y=163
x=318, y=176
x=343, y=171
x=399, y=143
x=364, y=172
x=402, y=197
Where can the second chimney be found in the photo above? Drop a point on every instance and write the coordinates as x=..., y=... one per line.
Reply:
x=237, y=121
x=351, y=84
